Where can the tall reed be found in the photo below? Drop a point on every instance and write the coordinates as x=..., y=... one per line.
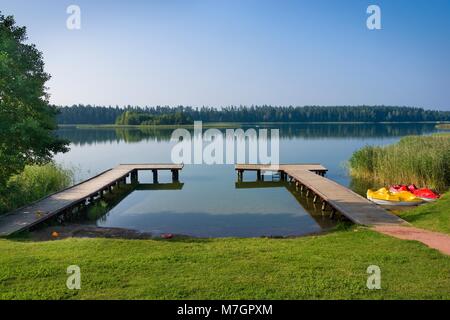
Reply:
x=445, y=126
x=422, y=160
x=33, y=183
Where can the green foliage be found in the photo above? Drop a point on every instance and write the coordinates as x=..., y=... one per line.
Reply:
x=422, y=160
x=97, y=210
x=26, y=119
x=32, y=184
x=331, y=266
x=81, y=114
x=135, y=118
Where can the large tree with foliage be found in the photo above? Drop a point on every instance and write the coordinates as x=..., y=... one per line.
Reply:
x=27, y=121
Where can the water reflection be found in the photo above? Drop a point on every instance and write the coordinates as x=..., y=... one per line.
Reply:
x=133, y=207
x=209, y=202
x=91, y=136
x=321, y=217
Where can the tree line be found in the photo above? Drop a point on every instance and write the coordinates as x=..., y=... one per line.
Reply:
x=134, y=115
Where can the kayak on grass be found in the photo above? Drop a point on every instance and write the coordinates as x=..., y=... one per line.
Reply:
x=422, y=193
x=401, y=198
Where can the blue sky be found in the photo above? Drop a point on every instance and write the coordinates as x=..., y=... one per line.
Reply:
x=247, y=52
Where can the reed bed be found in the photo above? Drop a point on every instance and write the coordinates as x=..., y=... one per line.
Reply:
x=444, y=126
x=422, y=160
x=33, y=183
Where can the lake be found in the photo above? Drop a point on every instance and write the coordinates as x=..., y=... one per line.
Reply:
x=209, y=203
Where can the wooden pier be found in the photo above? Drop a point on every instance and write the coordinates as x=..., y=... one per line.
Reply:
x=79, y=195
x=310, y=178
x=281, y=169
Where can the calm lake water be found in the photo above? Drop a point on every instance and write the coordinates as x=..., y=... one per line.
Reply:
x=208, y=203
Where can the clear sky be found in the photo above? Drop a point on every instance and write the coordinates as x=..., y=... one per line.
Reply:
x=223, y=52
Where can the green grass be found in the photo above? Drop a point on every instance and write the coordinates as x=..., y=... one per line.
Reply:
x=331, y=266
x=422, y=160
x=33, y=183
x=433, y=216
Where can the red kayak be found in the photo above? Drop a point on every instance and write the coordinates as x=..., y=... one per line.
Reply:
x=423, y=193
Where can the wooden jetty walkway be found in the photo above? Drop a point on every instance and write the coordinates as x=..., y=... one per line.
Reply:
x=78, y=195
x=310, y=178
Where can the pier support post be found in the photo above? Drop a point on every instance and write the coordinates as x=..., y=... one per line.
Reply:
x=324, y=205
x=175, y=177
x=258, y=175
x=315, y=198
x=155, y=176
x=333, y=213
x=240, y=175
x=134, y=177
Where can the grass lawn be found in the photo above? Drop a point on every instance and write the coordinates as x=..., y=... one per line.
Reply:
x=317, y=267
x=433, y=216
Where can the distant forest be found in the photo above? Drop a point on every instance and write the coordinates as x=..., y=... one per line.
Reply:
x=87, y=114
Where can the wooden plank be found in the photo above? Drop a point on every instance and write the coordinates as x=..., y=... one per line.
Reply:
x=45, y=208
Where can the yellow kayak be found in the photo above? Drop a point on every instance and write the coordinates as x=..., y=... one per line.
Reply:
x=384, y=197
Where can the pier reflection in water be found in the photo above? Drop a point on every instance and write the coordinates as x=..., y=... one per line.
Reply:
x=147, y=208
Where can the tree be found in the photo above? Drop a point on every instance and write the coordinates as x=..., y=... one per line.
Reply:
x=27, y=121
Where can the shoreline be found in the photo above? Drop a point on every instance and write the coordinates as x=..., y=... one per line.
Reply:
x=239, y=124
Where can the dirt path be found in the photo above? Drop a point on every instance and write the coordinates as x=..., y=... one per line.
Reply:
x=435, y=240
